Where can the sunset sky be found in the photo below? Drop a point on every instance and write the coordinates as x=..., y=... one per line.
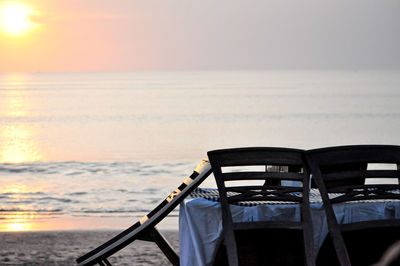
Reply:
x=97, y=35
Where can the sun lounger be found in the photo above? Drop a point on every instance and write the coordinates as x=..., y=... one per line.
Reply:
x=145, y=228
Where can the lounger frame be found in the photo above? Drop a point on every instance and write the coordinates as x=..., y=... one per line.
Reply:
x=145, y=228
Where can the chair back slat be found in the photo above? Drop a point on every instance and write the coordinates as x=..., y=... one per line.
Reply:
x=272, y=193
x=363, y=197
x=361, y=174
x=334, y=180
x=257, y=156
x=263, y=176
x=356, y=154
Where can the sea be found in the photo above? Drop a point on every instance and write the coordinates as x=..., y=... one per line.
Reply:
x=92, y=150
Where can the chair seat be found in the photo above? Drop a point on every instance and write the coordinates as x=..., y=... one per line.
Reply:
x=365, y=246
x=266, y=247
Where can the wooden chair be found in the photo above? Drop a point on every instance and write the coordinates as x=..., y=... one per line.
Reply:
x=263, y=242
x=145, y=228
x=364, y=242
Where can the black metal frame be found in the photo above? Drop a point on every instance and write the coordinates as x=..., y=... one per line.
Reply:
x=346, y=180
x=271, y=190
x=145, y=228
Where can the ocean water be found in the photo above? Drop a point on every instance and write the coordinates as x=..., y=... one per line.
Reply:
x=101, y=145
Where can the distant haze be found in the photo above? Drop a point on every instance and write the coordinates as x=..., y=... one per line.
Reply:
x=94, y=35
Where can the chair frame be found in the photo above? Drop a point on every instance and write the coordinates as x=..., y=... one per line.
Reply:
x=269, y=192
x=354, y=154
x=145, y=228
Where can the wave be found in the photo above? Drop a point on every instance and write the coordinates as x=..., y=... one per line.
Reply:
x=6, y=211
x=83, y=168
x=89, y=188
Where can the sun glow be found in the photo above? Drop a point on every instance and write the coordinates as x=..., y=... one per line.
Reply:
x=19, y=221
x=15, y=18
x=17, y=225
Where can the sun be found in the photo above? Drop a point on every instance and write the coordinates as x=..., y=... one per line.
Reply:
x=15, y=18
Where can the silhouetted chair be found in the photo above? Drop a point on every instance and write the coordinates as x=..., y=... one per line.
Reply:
x=145, y=228
x=363, y=242
x=263, y=242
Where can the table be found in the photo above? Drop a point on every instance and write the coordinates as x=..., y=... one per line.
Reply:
x=200, y=222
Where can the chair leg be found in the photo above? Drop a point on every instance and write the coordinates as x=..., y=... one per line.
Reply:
x=107, y=262
x=154, y=236
x=165, y=247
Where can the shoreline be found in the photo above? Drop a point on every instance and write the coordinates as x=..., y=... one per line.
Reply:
x=63, y=247
x=67, y=222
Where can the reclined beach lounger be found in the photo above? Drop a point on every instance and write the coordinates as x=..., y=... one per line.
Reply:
x=145, y=229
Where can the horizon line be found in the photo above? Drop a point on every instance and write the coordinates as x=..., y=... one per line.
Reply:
x=206, y=70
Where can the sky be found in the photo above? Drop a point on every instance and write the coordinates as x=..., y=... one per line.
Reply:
x=125, y=35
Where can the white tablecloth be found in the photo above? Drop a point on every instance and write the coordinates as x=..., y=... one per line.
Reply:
x=200, y=222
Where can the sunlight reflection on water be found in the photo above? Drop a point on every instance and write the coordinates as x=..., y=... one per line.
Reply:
x=17, y=144
x=17, y=140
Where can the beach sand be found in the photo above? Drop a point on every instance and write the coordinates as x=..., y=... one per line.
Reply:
x=63, y=247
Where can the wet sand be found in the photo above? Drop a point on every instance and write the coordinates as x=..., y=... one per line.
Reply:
x=63, y=247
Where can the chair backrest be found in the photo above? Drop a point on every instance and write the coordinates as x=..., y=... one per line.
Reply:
x=345, y=170
x=282, y=176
